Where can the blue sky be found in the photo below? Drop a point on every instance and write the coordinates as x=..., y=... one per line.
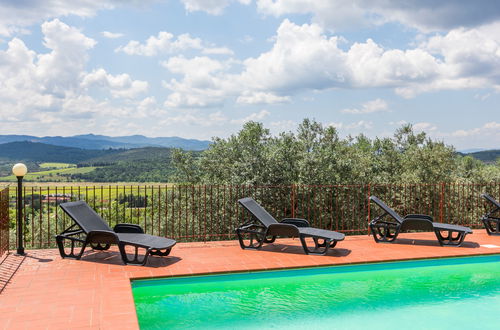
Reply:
x=201, y=68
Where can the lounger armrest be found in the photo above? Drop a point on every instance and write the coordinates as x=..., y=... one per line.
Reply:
x=378, y=222
x=73, y=235
x=69, y=233
x=128, y=228
x=296, y=221
x=283, y=229
x=251, y=228
x=102, y=236
x=419, y=216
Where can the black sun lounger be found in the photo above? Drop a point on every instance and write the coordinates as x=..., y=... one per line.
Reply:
x=90, y=229
x=289, y=227
x=387, y=231
x=491, y=223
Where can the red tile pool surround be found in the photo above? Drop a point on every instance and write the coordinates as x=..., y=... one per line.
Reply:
x=43, y=291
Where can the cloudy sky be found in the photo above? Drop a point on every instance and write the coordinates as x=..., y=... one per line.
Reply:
x=201, y=68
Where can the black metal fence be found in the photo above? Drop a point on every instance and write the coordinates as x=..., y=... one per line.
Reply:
x=211, y=212
x=4, y=222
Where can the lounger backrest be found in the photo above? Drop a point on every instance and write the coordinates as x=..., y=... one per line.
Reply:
x=491, y=200
x=257, y=211
x=84, y=216
x=387, y=209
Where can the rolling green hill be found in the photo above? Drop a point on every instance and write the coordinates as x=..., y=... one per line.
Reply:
x=487, y=156
x=130, y=155
x=148, y=164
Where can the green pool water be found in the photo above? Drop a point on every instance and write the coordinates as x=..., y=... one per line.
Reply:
x=452, y=293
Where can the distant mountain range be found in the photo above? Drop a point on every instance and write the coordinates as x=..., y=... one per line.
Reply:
x=97, y=142
x=42, y=152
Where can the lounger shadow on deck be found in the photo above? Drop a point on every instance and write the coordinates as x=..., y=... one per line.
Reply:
x=385, y=231
x=429, y=242
x=299, y=249
x=114, y=257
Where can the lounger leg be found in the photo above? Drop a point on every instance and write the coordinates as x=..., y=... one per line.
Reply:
x=270, y=240
x=123, y=253
x=323, y=244
x=156, y=252
x=492, y=226
x=62, y=252
x=489, y=227
x=136, y=260
x=450, y=240
x=319, y=248
x=146, y=256
x=255, y=240
x=385, y=233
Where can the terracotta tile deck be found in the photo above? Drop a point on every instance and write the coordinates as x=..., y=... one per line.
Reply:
x=47, y=292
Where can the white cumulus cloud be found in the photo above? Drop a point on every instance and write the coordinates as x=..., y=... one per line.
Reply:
x=111, y=35
x=424, y=127
x=423, y=15
x=214, y=7
x=360, y=124
x=485, y=136
x=204, y=82
x=60, y=69
x=256, y=116
x=51, y=89
x=167, y=43
x=305, y=58
x=376, y=105
x=301, y=58
x=488, y=129
x=35, y=82
x=15, y=15
x=119, y=85
x=352, y=127
x=164, y=43
x=248, y=97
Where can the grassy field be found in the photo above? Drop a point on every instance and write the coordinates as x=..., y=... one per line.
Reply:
x=98, y=185
x=55, y=180
x=56, y=165
x=100, y=190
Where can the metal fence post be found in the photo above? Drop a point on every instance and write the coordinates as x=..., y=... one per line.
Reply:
x=441, y=203
x=368, y=207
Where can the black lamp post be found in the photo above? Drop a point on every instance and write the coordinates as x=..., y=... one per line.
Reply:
x=20, y=170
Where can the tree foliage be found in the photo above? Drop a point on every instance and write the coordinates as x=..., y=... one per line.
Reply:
x=316, y=154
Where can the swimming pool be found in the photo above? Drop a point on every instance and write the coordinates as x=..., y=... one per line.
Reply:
x=424, y=294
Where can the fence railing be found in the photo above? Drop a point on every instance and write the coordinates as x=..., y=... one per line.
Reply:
x=211, y=212
x=4, y=221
